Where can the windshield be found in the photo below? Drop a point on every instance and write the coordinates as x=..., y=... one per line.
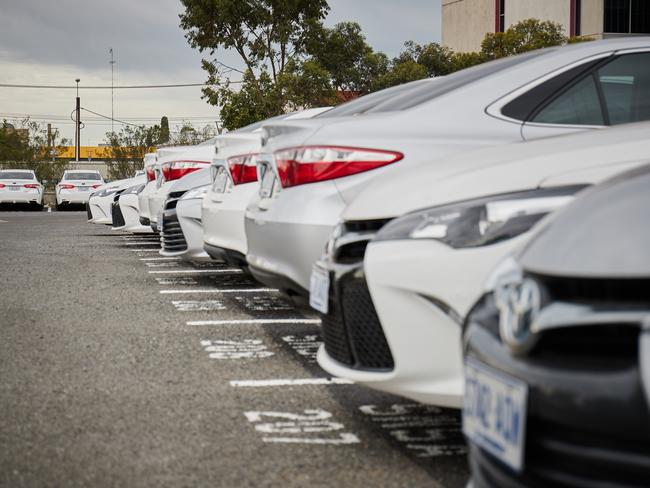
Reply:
x=17, y=175
x=82, y=176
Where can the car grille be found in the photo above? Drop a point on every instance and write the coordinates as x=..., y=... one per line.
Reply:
x=561, y=457
x=353, y=335
x=118, y=218
x=172, y=239
x=90, y=214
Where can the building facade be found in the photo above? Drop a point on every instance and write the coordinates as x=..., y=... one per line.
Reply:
x=465, y=22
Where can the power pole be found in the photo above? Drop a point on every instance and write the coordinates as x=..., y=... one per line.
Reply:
x=49, y=134
x=77, y=133
x=112, y=63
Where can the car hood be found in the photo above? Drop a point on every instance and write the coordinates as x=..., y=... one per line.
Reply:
x=583, y=157
x=602, y=234
x=129, y=182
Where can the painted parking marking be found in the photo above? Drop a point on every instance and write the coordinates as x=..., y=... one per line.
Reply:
x=312, y=426
x=291, y=382
x=425, y=430
x=245, y=349
x=198, y=305
x=160, y=259
x=253, y=321
x=193, y=271
x=262, y=303
x=216, y=290
x=145, y=250
x=177, y=281
x=3, y=221
x=306, y=345
x=164, y=264
x=147, y=243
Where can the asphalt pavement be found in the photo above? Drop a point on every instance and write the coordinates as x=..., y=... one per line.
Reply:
x=119, y=368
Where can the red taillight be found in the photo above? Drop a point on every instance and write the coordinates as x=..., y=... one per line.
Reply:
x=243, y=168
x=309, y=164
x=66, y=186
x=95, y=186
x=32, y=185
x=151, y=176
x=2, y=185
x=177, y=169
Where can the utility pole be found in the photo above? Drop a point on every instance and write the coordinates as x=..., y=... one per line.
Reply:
x=49, y=134
x=77, y=133
x=112, y=63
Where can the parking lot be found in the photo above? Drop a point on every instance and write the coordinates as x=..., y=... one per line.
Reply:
x=123, y=368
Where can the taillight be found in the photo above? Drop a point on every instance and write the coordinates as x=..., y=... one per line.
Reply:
x=309, y=164
x=243, y=168
x=32, y=185
x=2, y=185
x=177, y=169
x=66, y=186
x=96, y=186
x=151, y=176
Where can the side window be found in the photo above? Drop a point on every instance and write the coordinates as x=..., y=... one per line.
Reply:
x=579, y=105
x=625, y=84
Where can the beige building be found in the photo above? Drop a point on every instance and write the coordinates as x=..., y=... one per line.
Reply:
x=465, y=22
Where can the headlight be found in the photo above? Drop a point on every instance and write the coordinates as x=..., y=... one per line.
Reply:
x=479, y=222
x=196, y=193
x=134, y=190
x=105, y=192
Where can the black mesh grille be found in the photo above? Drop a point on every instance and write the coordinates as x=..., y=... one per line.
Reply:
x=352, y=334
x=172, y=238
x=118, y=218
x=366, y=334
x=90, y=214
x=596, y=290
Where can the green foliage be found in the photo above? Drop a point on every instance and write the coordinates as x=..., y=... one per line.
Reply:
x=28, y=147
x=523, y=36
x=306, y=84
x=436, y=59
x=402, y=72
x=127, y=149
x=164, y=130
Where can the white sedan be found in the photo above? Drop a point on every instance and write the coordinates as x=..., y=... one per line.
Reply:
x=76, y=186
x=20, y=186
x=394, y=321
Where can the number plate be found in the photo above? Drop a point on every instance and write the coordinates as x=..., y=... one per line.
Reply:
x=494, y=413
x=14, y=188
x=83, y=188
x=319, y=287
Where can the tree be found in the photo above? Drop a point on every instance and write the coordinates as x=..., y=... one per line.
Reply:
x=436, y=59
x=402, y=72
x=127, y=149
x=523, y=36
x=266, y=34
x=28, y=147
x=164, y=130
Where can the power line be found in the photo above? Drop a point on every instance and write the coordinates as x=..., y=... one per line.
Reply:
x=110, y=118
x=123, y=87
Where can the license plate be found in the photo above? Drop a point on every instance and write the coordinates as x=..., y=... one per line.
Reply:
x=83, y=188
x=319, y=287
x=494, y=413
x=14, y=188
x=159, y=224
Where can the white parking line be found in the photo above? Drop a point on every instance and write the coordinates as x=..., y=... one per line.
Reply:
x=217, y=290
x=254, y=321
x=191, y=271
x=198, y=305
x=147, y=243
x=145, y=250
x=293, y=382
x=160, y=259
x=3, y=221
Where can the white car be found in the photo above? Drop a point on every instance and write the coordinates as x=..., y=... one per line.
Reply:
x=76, y=186
x=312, y=169
x=174, y=163
x=125, y=209
x=182, y=231
x=393, y=320
x=150, y=162
x=233, y=184
x=100, y=203
x=20, y=186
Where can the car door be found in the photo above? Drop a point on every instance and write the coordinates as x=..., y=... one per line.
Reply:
x=614, y=91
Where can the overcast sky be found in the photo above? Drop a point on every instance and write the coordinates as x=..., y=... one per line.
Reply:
x=52, y=43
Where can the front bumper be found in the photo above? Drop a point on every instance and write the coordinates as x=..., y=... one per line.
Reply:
x=588, y=418
x=287, y=237
x=223, y=219
x=128, y=208
x=182, y=234
x=100, y=208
